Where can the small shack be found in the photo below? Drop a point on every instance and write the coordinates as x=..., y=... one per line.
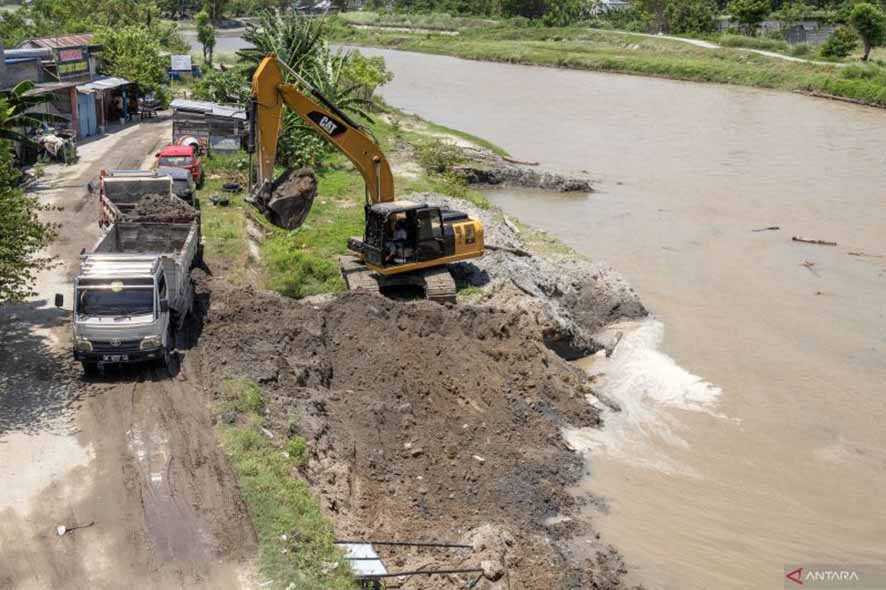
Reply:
x=216, y=127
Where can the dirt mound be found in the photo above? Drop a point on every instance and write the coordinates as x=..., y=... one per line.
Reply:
x=424, y=422
x=160, y=208
x=571, y=297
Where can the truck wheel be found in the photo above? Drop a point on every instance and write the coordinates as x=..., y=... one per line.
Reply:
x=90, y=369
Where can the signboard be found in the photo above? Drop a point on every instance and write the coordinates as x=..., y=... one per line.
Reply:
x=181, y=63
x=71, y=62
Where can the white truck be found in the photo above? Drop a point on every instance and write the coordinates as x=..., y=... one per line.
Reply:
x=133, y=293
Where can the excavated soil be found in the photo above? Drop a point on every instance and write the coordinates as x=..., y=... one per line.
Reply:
x=424, y=423
x=160, y=208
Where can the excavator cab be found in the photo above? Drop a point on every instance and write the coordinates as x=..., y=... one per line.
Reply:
x=403, y=232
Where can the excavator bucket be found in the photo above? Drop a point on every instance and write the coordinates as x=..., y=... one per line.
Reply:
x=286, y=201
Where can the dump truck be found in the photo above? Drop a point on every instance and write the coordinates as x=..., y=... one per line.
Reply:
x=122, y=194
x=133, y=293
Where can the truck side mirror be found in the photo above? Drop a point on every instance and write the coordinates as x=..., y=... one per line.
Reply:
x=164, y=305
x=59, y=300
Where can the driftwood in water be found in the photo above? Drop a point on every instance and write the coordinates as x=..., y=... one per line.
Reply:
x=866, y=255
x=819, y=242
x=518, y=162
x=770, y=228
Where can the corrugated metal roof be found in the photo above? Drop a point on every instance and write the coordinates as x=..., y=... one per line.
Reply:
x=60, y=42
x=209, y=108
x=103, y=84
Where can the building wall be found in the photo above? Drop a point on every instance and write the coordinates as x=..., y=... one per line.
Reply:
x=13, y=73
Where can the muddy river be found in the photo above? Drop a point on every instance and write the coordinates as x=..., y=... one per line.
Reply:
x=752, y=435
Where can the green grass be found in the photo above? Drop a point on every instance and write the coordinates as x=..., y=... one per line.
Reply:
x=304, y=262
x=609, y=51
x=296, y=542
x=431, y=21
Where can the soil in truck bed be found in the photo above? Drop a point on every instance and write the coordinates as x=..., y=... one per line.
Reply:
x=160, y=208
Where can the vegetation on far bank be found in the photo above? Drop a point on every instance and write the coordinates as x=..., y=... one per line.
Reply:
x=613, y=51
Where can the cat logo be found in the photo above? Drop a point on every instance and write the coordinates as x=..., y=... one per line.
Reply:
x=327, y=123
x=115, y=342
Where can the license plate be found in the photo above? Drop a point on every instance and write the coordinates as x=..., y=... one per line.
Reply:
x=115, y=358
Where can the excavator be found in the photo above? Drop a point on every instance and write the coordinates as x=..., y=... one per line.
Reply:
x=404, y=243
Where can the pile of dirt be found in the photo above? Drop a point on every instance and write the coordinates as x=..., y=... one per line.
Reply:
x=160, y=208
x=424, y=423
x=571, y=297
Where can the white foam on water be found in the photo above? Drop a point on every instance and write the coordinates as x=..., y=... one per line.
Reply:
x=645, y=383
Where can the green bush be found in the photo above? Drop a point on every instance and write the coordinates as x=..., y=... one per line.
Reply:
x=840, y=44
x=691, y=16
x=801, y=50
x=438, y=157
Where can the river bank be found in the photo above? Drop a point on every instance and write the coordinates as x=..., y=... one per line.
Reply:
x=626, y=53
x=761, y=376
x=288, y=386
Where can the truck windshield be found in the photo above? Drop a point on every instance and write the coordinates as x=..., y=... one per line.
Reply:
x=107, y=302
x=175, y=161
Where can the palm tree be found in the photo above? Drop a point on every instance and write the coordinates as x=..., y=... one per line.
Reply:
x=16, y=112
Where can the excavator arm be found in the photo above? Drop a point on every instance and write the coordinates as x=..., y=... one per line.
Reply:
x=270, y=93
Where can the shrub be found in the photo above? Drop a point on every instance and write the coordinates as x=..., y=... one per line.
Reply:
x=691, y=16
x=841, y=43
x=438, y=157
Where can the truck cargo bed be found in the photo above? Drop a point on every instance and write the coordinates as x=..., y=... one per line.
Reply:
x=145, y=238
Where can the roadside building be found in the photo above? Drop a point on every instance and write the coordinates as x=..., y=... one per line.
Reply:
x=66, y=68
x=216, y=127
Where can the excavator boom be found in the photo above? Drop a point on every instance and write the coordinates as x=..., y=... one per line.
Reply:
x=270, y=92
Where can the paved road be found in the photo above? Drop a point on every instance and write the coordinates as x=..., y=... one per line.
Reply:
x=133, y=452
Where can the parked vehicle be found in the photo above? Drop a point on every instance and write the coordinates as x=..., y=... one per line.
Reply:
x=183, y=185
x=121, y=190
x=182, y=156
x=133, y=293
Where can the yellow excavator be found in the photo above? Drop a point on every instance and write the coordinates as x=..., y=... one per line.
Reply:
x=404, y=244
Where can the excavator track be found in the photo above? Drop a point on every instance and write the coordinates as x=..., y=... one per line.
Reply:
x=436, y=283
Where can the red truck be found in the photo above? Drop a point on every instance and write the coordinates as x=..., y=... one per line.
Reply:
x=182, y=156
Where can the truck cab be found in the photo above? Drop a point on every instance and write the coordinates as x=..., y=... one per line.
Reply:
x=181, y=156
x=121, y=311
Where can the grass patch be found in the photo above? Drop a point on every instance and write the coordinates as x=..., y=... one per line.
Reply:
x=434, y=21
x=296, y=542
x=610, y=51
x=764, y=43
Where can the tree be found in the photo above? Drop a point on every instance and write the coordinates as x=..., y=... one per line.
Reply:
x=215, y=9
x=22, y=235
x=206, y=35
x=691, y=16
x=841, y=43
x=524, y=8
x=870, y=23
x=750, y=13
x=562, y=13
x=133, y=52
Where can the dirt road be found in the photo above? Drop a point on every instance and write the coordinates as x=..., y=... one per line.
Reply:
x=131, y=456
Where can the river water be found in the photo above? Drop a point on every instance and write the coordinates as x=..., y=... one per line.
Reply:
x=752, y=435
